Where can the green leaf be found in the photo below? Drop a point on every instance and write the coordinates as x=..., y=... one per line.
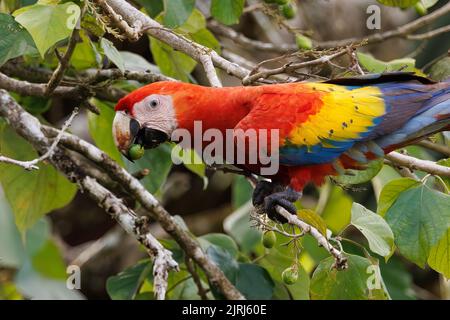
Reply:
x=20, y=186
x=280, y=257
x=391, y=191
x=441, y=69
x=35, y=286
x=439, y=258
x=91, y=24
x=158, y=161
x=242, y=191
x=313, y=219
x=254, y=282
x=445, y=163
x=374, y=65
x=374, y=228
x=238, y=226
x=227, y=11
x=49, y=24
x=15, y=41
x=135, y=62
x=399, y=3
x=337, y=212
x=398, y=279
x=14, y=250
x=112, y=53
x=220, y=240
x=352, y=176
x=224, y=261
x=193, y=162
x=49, y=262
x=153, y=7
x=419, y=218
x=85, y=54
x=100, y=129
x=360, y=281
x=176, y=12
x=126, y=285
x=174, y=63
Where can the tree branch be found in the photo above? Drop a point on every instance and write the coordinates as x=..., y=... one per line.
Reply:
x=153, y=208
x=418, y=164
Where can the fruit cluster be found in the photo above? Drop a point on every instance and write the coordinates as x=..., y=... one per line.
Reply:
x=286, y=7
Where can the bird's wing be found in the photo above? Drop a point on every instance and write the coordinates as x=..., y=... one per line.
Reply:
x=317, y=122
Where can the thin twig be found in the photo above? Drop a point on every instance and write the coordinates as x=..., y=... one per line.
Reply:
x=418, y=164
x=32, y=164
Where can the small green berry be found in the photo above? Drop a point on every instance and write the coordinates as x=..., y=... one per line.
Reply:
x=269, y=239
x=136, y=152
x=303, y=42
x=288, y=11
x=281, y=2
x=290, y=275
x=420, y=9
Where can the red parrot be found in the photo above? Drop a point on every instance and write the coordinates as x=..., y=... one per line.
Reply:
x=323, y=126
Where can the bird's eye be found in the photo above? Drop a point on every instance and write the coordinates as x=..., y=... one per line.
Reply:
x=154, y=103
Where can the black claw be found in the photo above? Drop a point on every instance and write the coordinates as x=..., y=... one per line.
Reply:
x=262, y=190
x=284, y=199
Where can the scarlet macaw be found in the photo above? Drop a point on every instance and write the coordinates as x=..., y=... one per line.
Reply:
x=323, y=126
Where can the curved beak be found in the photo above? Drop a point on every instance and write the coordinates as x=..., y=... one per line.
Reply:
x=128, y=131
x=124, y=130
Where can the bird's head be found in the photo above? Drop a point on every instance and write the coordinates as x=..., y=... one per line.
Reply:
x=148, y=115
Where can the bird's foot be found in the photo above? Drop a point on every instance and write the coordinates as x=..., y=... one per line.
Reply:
x=269, y=195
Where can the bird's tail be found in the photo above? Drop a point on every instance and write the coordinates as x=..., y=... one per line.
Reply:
x=432, y=114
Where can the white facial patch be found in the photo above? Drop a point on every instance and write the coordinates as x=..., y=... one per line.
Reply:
x=156, y=112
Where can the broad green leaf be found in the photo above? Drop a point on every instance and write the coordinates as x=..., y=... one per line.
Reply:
x=221, y=240
x=174, y=63
x=241, y=191
x=126, y=285
x=254, y=282
x=186, y=289
x=337, y=212
x=360, y=281
x=374, y=228
x=280, y=257
x=135, y=62
x=360, y=176
x=238, y=226
x=193, y=162
x=48, y=262
x=377, y=66
x=33, y=285
x=391, y=191
x=227, y=11
x=15, y=40
x=112, y=53
x=441, y=69
x=100, y=129
x=398, y=279
x=399, y=3
x=313, y=219
x=439, y=258
x=419, y=218
x=91, y=24
x=85, y=54
x=20, y=186
x=158, y=161
x=176, y=12
x=153, y=7
x=49, y=24
x=224, y=261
